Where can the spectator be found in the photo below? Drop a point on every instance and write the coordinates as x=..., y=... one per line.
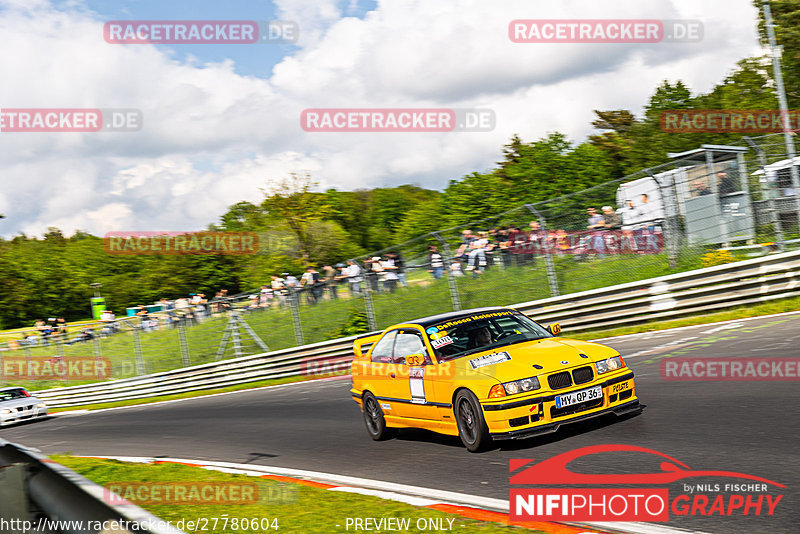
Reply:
x=310, y=283
x=86, y=334
x=144, y=318
x=595, y=219
x=341, y=277
x=435, y=262
x=646, y=214
x=401, y=267
x=374, y=271
x=61, y=329
x=477, y=254
x=278, y=285
x=201, y=306
x=32, y=339
x=42, y=331
x=504, y=247
x=329, y=280
x=701, y=189
x=109, y=323
x=224, y=300
x=611, y=220
x=462, y=253
x=354, y=277
x=265, y=297
x=726, y=184
x=536, y=240
x=292, y=287
x=517, y=240
x=390, y=274
x=455, y=268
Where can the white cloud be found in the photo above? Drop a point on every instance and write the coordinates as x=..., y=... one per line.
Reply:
x=212, y=137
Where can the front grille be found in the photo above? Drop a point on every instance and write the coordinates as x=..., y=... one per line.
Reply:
x=560, y=380
x=625, y=394
x=581, y=375
x=518, y=421
x=612, y=398
x=575, y=408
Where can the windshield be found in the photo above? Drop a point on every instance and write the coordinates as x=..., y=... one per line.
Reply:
x=475, y=333
x=11, y=394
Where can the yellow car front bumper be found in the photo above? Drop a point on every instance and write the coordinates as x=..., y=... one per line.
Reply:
x=537, y=413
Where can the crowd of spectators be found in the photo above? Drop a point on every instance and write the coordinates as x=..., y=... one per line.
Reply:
x=380, y=274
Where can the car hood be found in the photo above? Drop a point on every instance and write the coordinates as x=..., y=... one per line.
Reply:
x=15, y=403
x=552, y=354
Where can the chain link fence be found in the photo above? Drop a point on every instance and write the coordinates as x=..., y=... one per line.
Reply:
x=707, y=206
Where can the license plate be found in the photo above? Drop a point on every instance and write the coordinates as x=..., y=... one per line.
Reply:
x=577, y=397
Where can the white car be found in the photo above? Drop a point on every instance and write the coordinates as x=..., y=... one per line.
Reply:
x=16, y=404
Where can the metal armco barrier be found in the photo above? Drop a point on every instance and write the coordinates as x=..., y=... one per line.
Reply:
x=41, y=492
x=666, y=297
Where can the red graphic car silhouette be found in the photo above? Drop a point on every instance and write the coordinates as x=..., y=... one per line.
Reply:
x=554, y=470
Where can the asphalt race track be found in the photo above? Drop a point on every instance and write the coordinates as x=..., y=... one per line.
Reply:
x=750, y=427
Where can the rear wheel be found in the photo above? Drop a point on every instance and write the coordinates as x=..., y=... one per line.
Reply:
x=373, y=418
x=472, y=427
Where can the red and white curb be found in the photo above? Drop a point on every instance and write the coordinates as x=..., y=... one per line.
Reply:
x=462, y=504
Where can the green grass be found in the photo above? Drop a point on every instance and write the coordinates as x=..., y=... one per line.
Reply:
x=298, y=508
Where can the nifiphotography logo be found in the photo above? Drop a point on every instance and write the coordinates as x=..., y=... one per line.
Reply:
x=633, y=497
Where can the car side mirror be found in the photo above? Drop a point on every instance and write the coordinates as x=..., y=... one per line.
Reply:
x=554, y=329
x=415, y=360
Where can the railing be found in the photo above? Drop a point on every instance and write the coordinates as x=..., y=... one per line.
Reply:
x=35, y=491
x=666, y=297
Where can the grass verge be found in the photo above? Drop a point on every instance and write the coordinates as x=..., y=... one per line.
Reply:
x=281, y=506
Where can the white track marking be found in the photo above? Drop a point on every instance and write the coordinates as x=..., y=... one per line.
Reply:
x=723, y=327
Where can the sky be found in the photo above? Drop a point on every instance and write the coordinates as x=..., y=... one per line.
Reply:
x=220, y=122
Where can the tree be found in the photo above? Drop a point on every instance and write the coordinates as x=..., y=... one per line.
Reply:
x=291, y=199
x=616, y=142
x=786, y=17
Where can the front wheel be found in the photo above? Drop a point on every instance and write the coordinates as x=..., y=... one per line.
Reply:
x=373, y=418
x=472, y=427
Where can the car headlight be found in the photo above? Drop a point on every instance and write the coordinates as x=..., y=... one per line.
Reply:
x=521, y=386
x=611, y=364
x=5, y=411
x=41, y=405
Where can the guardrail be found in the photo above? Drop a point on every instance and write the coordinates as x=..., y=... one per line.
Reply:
x=666, y=297
x=36, y=492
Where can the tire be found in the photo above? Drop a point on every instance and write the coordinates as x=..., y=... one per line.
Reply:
x=373, y=419
x=472, y=427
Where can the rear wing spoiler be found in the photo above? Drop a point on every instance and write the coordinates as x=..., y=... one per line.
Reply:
x=362, y=344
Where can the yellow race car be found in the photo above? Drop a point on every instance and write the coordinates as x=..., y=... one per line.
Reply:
x=483, y=374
